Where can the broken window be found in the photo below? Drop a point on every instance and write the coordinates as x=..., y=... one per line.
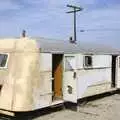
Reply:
x=3, y=60
x=69, y=63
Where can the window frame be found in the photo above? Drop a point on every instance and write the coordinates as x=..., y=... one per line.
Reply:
x=6, y=64
x=119, y=62
x=65, y=68
x=84, y=62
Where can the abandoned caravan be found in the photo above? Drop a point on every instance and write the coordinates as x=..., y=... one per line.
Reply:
x=36, y=74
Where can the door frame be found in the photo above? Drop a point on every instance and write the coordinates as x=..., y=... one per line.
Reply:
x=117, y=72
x=113, y=71
x=54, y=85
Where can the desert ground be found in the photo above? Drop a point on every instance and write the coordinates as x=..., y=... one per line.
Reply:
x=105, y=108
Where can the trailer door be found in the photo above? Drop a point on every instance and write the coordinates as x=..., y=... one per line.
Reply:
x=69, y=79
x=118, y=72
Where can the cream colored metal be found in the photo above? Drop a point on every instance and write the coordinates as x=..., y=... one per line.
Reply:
x=22, y=77
x=27, y=80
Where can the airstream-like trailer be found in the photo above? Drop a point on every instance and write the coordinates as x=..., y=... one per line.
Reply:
x=36, y=73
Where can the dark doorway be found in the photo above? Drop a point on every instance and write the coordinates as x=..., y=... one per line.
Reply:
x=57, y=72
x=113, y=71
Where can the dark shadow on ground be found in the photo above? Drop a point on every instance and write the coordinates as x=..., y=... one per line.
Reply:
x=84, y=101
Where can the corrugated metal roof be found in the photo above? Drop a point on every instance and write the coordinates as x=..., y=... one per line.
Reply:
x=60, y=46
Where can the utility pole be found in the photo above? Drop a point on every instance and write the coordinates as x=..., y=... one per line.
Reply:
x=75, y=10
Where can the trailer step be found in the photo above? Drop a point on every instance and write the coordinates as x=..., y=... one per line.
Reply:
x=57, y=103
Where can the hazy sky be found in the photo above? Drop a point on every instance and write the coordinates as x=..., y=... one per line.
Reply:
x=47, y=18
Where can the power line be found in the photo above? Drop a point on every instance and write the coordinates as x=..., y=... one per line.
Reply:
x=75, y=9
x=95, y=30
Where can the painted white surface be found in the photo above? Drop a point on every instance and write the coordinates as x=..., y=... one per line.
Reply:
x=45, y=62
x=43, y=101
x=79, y=61
x=118, y=72
x=100, y=73
x=98, y=89
x=98, y=61
x=69, y=80
x=43, y=94
x=101, y=61
x=87, y=78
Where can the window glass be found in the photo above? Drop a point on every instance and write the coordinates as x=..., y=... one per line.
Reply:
x=3, y=60
x=88, y=61
x=69, y=63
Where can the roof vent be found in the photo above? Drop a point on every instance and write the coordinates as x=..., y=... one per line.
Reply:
x=72, y=41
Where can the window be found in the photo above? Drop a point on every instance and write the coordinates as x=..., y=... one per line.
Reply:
x=88, y=61
x=69, y=63
x=3, y=60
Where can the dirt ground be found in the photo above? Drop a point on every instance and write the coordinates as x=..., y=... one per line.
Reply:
x=107, y=108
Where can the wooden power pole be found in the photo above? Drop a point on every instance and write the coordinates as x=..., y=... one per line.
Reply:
x=75, y=9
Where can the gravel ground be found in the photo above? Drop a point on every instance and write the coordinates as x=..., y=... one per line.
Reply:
x=107, y=108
